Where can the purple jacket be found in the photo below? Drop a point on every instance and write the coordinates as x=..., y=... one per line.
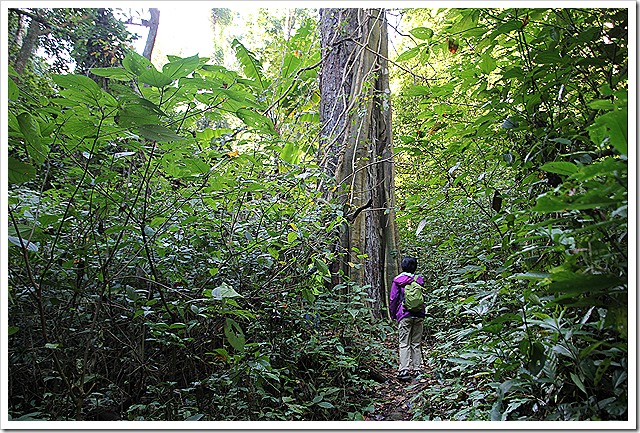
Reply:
x=396, y=309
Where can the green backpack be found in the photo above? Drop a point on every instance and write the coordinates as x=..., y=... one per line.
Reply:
x=413, y=297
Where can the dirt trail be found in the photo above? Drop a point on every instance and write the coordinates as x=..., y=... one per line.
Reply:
x=393, y=396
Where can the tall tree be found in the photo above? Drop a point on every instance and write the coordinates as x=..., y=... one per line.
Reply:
x=153, y=24
x=356, y=147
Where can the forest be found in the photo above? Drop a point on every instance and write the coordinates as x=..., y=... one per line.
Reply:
x=215, y=238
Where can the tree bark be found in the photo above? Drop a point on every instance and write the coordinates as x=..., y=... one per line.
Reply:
x=28, y=47
x=153, y=23
x=356, y=145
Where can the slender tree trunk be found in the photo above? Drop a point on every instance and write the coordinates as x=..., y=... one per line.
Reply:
x=28, y=47
x=153, y=23
x=356, y=147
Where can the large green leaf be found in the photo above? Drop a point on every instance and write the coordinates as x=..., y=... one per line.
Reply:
x=609, y=167
x=560, y=167
x=155, y=78
x=250, y=65
x=139, y=112
x=223, y=291
x=120, y=74
x=136, y=64
x=29, y=246
x=158, y=133
x=256, y=120
x=82, y=89
x=181, y=67
x=31, y=131
x=234, y=334
x=574, y=283
x=592, y=199
x=19, y=171
x=78, y=82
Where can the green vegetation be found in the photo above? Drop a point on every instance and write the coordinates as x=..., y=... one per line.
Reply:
x=170, y=240
x=520, y=209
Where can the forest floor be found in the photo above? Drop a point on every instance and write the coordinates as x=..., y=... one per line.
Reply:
x=393, y=396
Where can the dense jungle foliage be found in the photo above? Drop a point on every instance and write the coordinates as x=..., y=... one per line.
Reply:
x=169, y=241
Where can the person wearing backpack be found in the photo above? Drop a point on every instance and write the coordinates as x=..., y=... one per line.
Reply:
x=407, y=307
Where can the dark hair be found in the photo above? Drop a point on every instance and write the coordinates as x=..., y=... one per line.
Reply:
x=409, y=264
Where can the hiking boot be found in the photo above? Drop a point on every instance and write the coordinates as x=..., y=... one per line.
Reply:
x=404, y=375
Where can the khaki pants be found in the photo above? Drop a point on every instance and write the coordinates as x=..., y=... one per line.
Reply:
x=410, y=339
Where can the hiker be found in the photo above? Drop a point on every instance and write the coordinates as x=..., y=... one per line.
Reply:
x=410, y=323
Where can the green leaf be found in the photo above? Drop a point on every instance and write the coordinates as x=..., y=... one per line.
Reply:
x=488, y=63
x=560, y=167
x=120, y=74
x=13, y=91
x=507, y=27
x=606, y=167
x=155, y=78
x=576, y=283
x=80, y=89
x=291, y=153
x=538, y=358
x=77, y=82
x=601, y=104
x=409, y=54
x=158, y=133
x=325, y=404
x=234, y=334
x=181, y=67
x=615, y=123
x=136, y=64
x=548, y=58
x=576, y=379
x=223, y=291
x=321, y=266
x=136, y=113
x=422, y=32
x=532, y=276
x=184, y=167
x=250, y=65
x=292, y=237
x=561, y=140
x=256, y=120
x=418, y=91
x=19, y=172
x=13, y=330
x=31, y=131
x=548, y=203
x=30, y=246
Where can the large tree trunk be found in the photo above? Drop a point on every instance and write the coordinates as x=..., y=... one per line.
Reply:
x=153, y=23
x=355, y=144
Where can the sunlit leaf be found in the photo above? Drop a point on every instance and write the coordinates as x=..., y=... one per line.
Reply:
x=224, y=291
x=421, y=32
x=560, y=167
